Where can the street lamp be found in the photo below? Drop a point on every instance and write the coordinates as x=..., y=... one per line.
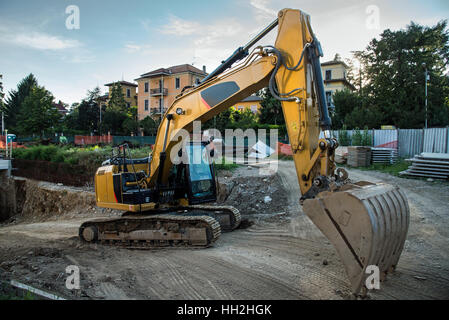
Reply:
x=426, y=78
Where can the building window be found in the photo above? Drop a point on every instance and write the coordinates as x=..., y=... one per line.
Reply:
x=328, y=74
x=254, y=108
x=329, y=98
x=177, y=83
x=240, y=108
x=146, y=105
x=128, y=93
x=146, y=86
x=128, y=105
x=197, y=81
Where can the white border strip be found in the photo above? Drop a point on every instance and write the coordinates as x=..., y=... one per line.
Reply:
x=35, y=291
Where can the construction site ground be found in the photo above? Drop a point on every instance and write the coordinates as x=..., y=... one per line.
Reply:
x=282, y=255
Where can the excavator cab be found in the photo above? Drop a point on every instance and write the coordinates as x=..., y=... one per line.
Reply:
x=200, y=174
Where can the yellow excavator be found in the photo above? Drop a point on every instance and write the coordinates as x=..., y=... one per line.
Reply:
x=165, y=200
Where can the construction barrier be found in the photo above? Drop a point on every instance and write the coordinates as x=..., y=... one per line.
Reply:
x=88, y=140
x=14, y=144
x=284, y=149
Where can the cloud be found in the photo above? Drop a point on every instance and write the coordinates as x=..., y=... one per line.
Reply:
x=181, y=27
x=130, y=48
x=146, y=24
x=40, y=41
x=262, y=10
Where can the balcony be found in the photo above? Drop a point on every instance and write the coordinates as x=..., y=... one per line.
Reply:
x=158, y=110
x=158, y=92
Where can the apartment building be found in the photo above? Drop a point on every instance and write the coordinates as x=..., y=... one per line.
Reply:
x=335, y=78
x=129, y=91
x=157, y=89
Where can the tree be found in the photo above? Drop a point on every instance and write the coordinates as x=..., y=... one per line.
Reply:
x=352, y=111
x=271, y=111
x=149, y=126
x=38, y=112
x=394, y=75
x=113, y=122
x=244, y=119
x=117, y=100
x=16, y=98
x=131, y=124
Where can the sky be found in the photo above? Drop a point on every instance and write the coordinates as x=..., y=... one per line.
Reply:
x=123, y=39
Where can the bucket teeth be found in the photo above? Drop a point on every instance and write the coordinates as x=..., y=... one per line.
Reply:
x=367, y=224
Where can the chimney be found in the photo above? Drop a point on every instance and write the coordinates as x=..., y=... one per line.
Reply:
x=204, y=69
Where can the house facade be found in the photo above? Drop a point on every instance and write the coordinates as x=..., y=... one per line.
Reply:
x=157, y=89
x=252, y=103
x=335, y=77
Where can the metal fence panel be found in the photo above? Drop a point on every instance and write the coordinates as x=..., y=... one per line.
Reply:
x=435, y=140
x=386, y=139
x=135, y=140
x=410, y=142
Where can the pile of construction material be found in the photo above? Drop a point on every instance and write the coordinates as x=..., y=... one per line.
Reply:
x=429, y=165
x=359, y=156
x=384, y=155
x=341, y=155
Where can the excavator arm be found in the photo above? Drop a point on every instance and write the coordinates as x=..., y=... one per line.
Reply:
x=367, y=223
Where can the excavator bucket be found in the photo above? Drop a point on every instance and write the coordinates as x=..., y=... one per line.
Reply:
x=367, y=223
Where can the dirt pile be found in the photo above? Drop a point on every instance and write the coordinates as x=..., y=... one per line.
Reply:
x=253, y=194
x=37, y=201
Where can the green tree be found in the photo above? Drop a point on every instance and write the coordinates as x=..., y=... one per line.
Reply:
x=38, y=112
x=221, y=122
x=113, y=122
x=16, y=98
x=271, y=111
x=394, y=75
x=343, y=137
x=117, y=100
x=244, y=119
x=149, y=126
x=345, y=103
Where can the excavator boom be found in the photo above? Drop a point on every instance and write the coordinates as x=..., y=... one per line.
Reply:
x=367, y=223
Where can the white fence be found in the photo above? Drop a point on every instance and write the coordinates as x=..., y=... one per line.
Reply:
x=409, y=141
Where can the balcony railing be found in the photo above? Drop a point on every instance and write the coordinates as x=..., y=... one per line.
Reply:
x=159, y=92
x=158, y=110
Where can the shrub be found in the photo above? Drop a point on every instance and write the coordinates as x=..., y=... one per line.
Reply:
x=343, y=137
x=357, y=138
x=366, y=137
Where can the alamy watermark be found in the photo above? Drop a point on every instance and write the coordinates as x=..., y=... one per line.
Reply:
x=72, y=22
x=372, y=21
x=73, y=280
x=373, y=280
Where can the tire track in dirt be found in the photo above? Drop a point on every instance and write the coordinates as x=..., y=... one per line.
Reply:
x=181, y=280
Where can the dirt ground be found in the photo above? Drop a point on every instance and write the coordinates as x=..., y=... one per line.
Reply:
x=282, y=256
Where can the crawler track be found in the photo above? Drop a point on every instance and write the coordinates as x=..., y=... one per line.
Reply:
x=155, y=231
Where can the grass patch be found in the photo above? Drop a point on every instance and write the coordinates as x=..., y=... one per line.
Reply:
x=8, y=292
x=392, y=169
x=225, y=165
